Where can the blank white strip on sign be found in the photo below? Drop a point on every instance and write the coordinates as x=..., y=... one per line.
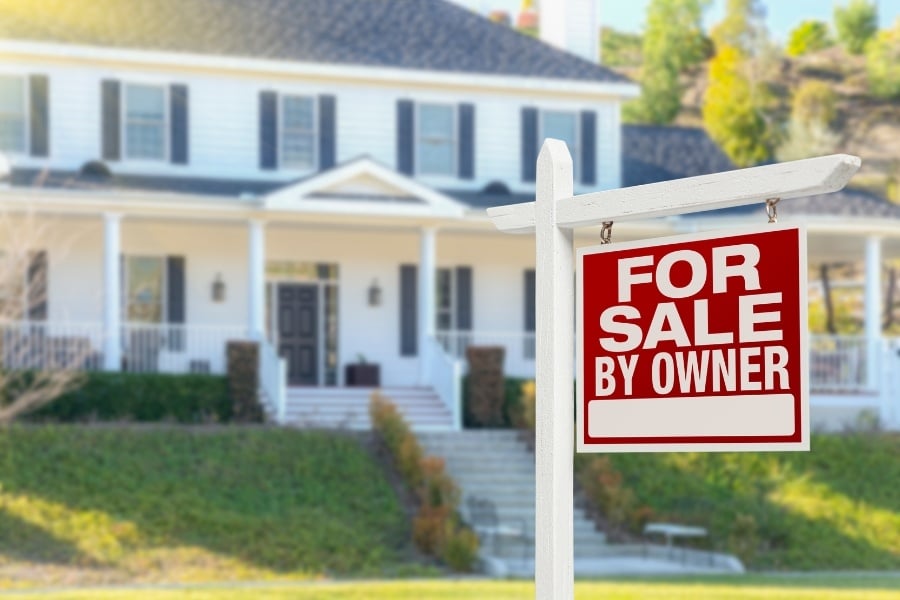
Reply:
x=762, y=415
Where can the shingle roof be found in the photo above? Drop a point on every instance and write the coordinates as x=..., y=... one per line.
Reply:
x=410, y=34
x=652, y=153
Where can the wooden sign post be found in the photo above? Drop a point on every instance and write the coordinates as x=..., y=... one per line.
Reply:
x=553, y=216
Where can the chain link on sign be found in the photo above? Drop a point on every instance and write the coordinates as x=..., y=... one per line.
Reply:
x=606, y=232
x=772, y=209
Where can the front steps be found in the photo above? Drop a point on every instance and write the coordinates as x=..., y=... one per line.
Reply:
x=348, y=408
x=496, y=465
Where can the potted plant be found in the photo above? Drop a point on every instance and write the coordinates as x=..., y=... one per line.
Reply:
x=362, y=373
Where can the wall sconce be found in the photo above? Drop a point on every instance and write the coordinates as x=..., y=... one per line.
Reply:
x=218, y=289
x=374, y=294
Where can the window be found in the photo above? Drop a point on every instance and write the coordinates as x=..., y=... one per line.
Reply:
x=145, y=122
x=436, y=144
x=144, y=284
x=444, y=299
x=298, y=132
x=12, y=114
x=562, y=126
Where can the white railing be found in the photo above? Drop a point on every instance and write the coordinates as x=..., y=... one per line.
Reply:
x=518, y=359
x=445, y=372
x=273, y=381
x=51, y=345
x=837, y=363
x=169, y=348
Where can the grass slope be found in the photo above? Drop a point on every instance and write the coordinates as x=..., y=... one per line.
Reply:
x=102, y=505
x=836, y=507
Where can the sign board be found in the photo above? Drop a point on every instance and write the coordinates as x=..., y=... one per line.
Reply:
x=693, y=343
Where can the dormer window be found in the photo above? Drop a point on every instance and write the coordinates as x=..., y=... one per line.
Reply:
x=436, y=143
x=145, y=122
x=13, y=116
x=298, y=132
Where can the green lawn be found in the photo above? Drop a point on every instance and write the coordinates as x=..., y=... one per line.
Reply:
x=99, y=505
x=836, y=507
x=745, y=588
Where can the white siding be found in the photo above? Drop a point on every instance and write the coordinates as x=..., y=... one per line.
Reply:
x=224, y=124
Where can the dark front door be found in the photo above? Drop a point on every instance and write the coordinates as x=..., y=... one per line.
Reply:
x=298, y=332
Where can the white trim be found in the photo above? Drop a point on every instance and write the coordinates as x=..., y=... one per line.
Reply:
x=453, y=173
x=182, y=60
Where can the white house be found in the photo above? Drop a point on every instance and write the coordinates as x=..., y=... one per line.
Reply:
x=313, y=174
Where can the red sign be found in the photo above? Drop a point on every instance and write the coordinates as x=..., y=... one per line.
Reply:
x=694, y=343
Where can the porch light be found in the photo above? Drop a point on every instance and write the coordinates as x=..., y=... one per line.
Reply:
x=218, y=289
x=374, y=293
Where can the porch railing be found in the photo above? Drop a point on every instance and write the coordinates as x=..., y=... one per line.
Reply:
x=518, y=360
x=168, y=348
x=445, y=371
x=51, y=345
x=837, y=363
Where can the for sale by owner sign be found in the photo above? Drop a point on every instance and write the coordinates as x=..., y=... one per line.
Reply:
x=693, y=343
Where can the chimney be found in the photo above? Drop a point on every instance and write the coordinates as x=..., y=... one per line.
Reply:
x=570, y=25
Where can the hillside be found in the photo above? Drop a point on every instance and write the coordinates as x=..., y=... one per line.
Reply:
x=102, y=505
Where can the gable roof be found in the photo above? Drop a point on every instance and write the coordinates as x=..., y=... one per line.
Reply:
x=410, y=34
x=653, y=153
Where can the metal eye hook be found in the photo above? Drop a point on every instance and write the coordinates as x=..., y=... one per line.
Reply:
x=606, y=232
x=772, y=209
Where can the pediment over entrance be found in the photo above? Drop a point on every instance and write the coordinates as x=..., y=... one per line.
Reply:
x=363, y=186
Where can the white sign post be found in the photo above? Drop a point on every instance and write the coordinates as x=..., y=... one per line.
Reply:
x=553, y=216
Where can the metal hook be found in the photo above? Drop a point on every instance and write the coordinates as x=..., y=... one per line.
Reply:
x=772, y=209
x=606, y=232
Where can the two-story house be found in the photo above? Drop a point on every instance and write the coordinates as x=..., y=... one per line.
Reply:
x=311, y=174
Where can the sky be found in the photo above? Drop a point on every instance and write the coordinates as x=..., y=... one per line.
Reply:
x=781, y=15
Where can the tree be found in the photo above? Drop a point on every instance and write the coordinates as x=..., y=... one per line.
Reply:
x=883, y=63
x=672, y=42
x=742, y=28
x=35, y=366
x=808, y=36
x=855, y=23
x=733, y=108
x=809, y=130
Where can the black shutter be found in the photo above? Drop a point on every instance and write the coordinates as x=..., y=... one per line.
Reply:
x=408, y=311
x=528, y=300
x=175, y=300
x=39, y=96
x=111, y=119
x=268, y=130
x=466, y=141
x=464, y=298
x=588, y=147
x=529, y=143
x=405, y=132
x=327, y=132
x=36, y=294
x=180, y=125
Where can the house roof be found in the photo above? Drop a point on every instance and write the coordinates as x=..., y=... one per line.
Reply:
x=411, y=34
x=653, y=153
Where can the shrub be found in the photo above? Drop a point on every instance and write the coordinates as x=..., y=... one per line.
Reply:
x=856, y=23
x=143, y=397
x=808, y=36
x=461, y=549
x=743, y=539
x=602, y=484
x=528, y=403
x=486, y=384
x=243, y=381
x=814, y=101
x=883, y=63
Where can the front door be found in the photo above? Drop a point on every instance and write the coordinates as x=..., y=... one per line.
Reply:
x=298, y=331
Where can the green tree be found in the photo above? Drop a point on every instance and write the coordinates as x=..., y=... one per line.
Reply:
x=883, y=63
x=808, y=36
x=809, y=132
x=733, y=109
x=673, y=41
x=742, y=28
x=855, y=23
x=620, y=48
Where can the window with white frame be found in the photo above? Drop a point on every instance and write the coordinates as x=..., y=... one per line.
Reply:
x=298, y=132
x=13, y=117
x=562, y=126
x=144, y=285
x=145, y=122
x=436, y=140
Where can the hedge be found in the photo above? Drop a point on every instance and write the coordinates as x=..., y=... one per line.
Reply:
x=144, y=397
x=512, y=404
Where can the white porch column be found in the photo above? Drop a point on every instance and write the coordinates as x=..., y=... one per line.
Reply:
x=256, y=280
x=427, y=268
x=873, y=311
x=112, y=286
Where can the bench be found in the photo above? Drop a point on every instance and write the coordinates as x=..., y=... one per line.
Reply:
x=673, y=531
x=483, y=518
